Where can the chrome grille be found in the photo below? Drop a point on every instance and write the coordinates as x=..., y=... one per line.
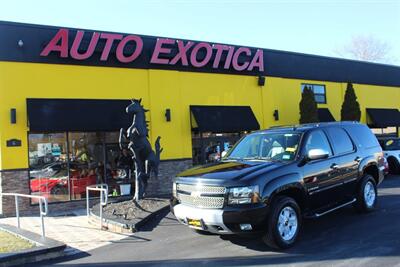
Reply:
x=201, y=196
x=206, y=189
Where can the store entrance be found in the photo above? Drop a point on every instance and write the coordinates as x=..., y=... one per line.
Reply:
x=96, y=158
x=209, y=147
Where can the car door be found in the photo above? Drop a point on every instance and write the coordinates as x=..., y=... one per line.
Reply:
x=346, y=160
x=319, y=175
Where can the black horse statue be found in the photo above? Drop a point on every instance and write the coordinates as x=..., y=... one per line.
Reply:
x=146, y=160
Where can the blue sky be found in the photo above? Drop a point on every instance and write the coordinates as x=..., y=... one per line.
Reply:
x=308, y=26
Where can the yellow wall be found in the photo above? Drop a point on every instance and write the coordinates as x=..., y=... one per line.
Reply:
x=161, y=89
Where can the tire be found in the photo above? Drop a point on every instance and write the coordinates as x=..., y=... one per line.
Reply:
x=281, y=222
x=394, y=166
x=367, y=195
x=59, y=190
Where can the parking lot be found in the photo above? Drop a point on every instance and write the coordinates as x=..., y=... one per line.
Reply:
x=343, y=238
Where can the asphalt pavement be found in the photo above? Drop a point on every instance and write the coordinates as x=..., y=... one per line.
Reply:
x=342, y=238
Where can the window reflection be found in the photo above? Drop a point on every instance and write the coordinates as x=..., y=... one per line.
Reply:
x=62, y=165
x=48, y=166
x=86, y=162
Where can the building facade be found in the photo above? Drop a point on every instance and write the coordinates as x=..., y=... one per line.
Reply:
x=63, y=93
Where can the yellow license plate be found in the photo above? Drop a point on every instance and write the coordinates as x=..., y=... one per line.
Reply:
x=195, y=223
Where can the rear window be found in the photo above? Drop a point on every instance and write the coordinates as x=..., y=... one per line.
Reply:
x=340, y=140
x=363, y=135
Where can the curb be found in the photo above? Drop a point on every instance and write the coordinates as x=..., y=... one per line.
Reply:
x=46, y=248
x=117, y=227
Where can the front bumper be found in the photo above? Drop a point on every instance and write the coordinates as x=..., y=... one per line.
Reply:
x=223, y=221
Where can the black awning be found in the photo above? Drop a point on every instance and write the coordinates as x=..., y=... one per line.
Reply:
x=224, y=119
x=77, y=115
x=324, y=115
x=383, y=117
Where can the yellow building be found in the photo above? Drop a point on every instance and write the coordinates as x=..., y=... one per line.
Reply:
x=63, y=94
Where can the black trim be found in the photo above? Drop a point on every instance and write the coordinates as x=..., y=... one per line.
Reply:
x=52, y=115
x=276, y=63
x=224, y=119
x=383, y=117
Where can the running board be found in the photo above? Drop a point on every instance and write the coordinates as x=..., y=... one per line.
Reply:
x=317, y=215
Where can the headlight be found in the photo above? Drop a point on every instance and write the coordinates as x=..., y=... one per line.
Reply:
x=174, y=189
x=244, y=195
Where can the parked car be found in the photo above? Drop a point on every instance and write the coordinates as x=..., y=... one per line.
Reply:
x=271, y=179
x=391, y=151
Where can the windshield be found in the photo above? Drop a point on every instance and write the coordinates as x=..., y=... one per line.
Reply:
x=266, y=146
x=390, y=144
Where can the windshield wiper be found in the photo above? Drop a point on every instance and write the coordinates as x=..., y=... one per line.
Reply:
x=256, y=158
x=232, y=158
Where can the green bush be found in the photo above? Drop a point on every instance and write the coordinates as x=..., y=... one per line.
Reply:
x=350, y=108
x=308, y=106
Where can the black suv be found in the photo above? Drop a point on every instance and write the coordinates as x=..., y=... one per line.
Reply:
x=273, y=178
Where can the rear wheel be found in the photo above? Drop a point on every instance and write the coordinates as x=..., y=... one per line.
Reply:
x=367, y=194
x=284, y=223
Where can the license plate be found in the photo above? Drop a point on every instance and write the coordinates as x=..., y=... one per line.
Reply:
x=195, y=223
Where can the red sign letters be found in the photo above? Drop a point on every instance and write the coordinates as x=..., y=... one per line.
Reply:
x=187, y=55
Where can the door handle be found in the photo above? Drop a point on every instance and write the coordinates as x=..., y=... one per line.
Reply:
x=334, y=166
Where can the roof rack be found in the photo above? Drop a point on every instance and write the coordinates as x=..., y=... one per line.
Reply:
x=313, y=124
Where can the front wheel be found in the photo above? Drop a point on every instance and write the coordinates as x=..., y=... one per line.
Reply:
x=284, y=223
x=367, y=194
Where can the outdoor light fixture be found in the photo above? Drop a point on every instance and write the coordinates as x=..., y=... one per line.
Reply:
x=261, y=80
x=276, y=114
x=168, y=114
x=13, y=116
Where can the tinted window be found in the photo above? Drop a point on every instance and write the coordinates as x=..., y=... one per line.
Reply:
x=363, y=134
x=340, y=140
x=266, y=146
x=318, y=140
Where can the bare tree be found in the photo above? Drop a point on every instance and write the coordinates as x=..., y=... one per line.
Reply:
x=366, y=48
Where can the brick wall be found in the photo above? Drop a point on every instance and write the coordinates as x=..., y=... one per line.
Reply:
x=167, y=171
x=15, y=181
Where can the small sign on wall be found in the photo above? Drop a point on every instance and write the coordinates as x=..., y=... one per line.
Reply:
x=13, y=142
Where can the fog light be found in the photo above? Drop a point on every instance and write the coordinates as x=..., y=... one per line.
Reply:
x=245, y=227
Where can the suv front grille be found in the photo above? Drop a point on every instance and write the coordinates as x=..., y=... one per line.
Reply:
x=201, y=196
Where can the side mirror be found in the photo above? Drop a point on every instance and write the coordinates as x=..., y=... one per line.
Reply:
x=314, y=154
x=223, y=154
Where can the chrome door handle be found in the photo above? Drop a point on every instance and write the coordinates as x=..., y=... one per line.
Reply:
x=334, y=166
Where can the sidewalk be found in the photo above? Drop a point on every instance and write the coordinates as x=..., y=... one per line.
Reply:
x=74, y=231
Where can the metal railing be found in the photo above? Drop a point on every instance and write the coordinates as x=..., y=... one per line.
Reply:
x=43, y=206
x=103, y=189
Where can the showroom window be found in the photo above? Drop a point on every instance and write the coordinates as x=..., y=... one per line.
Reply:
x=48, y=166
x=62, y=165
x=319, y=92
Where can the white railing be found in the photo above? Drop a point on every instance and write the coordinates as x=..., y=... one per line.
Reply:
x=103, y=189
x=43, y=206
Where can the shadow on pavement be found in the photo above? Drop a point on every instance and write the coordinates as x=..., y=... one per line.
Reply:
x=371, y=239
x=156, y=221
